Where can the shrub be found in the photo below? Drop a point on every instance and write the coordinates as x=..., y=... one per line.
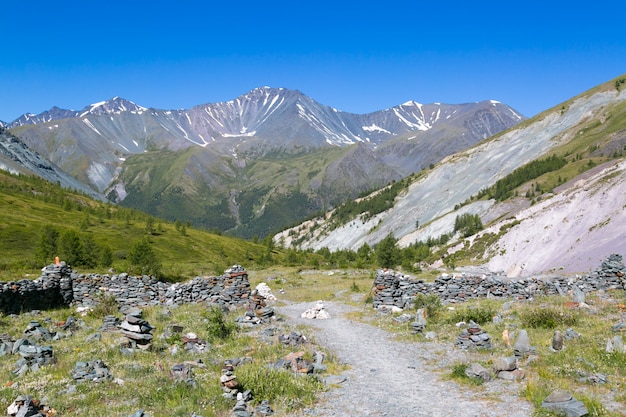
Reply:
x=106, y=305
x=479, y=314
x=218, y=328
x=431, y=302
x=543, y=317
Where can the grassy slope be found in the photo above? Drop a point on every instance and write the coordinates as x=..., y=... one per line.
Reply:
x=28, y=204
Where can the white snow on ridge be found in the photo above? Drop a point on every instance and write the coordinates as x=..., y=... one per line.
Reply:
x=91, y=126
x=374, y=128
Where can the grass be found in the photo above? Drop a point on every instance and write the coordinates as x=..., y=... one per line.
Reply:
x=142, y=378
x=148, y=386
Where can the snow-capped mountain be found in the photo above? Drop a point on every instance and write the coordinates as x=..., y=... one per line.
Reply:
x=116, y=105
x=263, y=112
x=97, y=143
x=567, y=224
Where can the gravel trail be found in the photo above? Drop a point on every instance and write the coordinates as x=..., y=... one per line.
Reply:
x=398, y=379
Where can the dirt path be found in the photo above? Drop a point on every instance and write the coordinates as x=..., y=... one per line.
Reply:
x=398, y=379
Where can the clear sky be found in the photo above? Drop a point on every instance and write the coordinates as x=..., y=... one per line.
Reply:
x=356, y=56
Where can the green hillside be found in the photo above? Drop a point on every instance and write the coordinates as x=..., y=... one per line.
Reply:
x=41, y=220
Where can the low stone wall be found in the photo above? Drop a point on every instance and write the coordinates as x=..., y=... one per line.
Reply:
x=51, y=290
x=398, y=290
x=60, y=286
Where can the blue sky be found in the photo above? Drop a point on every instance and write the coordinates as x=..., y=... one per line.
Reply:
x=355, y=56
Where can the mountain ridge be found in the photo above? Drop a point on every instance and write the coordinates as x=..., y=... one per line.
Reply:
x=427, y=209
x=265, y=127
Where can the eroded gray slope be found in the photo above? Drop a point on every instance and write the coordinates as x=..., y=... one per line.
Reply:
x=461, y=176
x=573, y=231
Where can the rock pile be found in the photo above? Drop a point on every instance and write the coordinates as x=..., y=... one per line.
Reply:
x=264, y=290
x=95, y=371
x=292, y=339
x=473, y=337
x=295, y=362
x=26, y=406
x=257, y=311
x=506, y=368
x=317, y=312
x=562, y=402
x=35, y=331
x=420, y=321
x=229, y=383
x=32, y=356
x=137, y=331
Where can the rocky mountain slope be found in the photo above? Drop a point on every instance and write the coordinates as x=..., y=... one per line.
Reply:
x=17, y=158
x=256, y=163
x=543, y=227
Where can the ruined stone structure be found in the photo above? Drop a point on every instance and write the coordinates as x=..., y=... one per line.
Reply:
x=393, y=289
x=59, y=285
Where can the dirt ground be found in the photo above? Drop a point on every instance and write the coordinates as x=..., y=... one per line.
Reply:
x=387, y=377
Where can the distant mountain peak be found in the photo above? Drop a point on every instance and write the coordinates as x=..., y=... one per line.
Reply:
x=115, y=105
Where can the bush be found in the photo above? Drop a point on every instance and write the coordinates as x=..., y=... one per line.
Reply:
x=218, y=328
x=547, y=317
x=479, y=314
x=431, y=302
x=106, y=305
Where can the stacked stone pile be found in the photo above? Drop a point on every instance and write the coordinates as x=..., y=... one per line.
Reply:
x=257, y=310
x=506, y=368
x=318, y=312
x=110, y=323
x=563, y=403
x=35, y=331
x=473, y=337
x=95, y=371
x=264, y=289
x=32, y=355
x=137, y=331
x=295, y=362
x=292, y=339
x=27, y=406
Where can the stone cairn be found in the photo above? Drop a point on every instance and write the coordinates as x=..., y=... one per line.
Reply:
x=317, y=312
x=257, y=311
x=562, y=402
x=473, y=337
x=94, y=371
x=27, y=406
x=137, y=331
x=32, y=356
